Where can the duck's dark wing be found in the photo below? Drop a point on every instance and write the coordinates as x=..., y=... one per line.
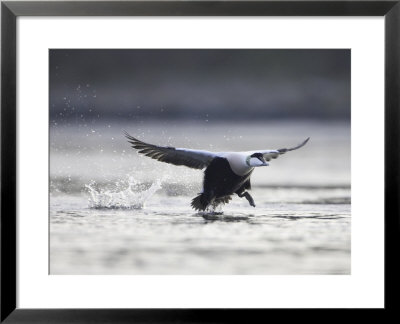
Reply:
x=273, y=154
x=196, y=159
x=284, y=150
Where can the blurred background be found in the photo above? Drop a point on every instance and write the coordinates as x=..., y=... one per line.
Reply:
x=115, y=212
x=96, y=85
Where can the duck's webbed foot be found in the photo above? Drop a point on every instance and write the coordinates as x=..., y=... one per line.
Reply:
x=248, y=197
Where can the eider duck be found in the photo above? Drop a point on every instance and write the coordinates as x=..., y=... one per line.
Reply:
x=225, y=174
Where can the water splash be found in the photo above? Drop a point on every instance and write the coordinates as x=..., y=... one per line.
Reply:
x=127, y=194
x=214, y=209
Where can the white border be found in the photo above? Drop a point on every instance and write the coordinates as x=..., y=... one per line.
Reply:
x=363, y=288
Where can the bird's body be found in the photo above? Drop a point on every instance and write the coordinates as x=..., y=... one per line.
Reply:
x=226, y=173
x=220, y=182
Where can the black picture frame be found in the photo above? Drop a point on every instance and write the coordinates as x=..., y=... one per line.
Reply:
x=10, y=10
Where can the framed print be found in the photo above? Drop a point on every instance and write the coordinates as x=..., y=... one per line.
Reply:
x=186, y=161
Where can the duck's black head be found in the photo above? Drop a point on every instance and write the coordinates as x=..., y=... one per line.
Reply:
x=255, y=159
x=259, y=156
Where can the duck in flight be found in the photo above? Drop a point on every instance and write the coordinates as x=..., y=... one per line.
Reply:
x=225, y=174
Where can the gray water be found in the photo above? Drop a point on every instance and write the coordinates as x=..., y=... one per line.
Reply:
x=115, y=212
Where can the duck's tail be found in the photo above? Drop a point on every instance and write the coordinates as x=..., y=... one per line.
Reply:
x=201, y=202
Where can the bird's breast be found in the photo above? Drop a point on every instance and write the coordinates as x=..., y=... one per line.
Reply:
x=237, y=162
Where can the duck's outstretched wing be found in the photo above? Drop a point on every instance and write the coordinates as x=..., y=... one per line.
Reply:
x=196, y=159
x=273, y=154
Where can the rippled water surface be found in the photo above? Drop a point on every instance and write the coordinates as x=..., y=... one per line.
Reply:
x=113, y=212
